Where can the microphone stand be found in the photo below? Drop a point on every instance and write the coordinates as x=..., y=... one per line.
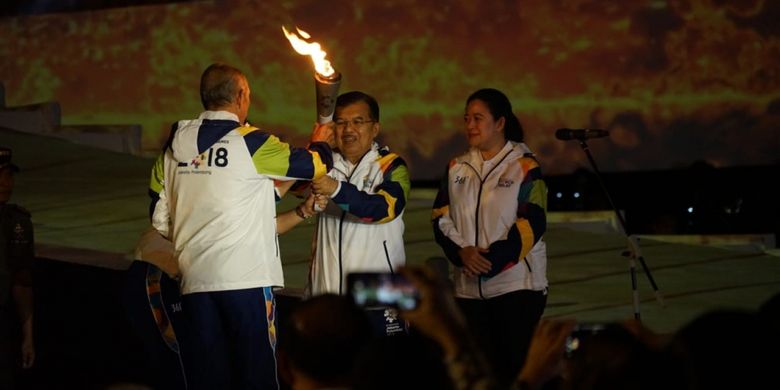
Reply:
x=633, y=253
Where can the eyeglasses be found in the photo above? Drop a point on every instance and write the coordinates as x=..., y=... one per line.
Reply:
x=356, y=123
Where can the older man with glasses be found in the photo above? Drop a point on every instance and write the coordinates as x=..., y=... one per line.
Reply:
x=361, y=229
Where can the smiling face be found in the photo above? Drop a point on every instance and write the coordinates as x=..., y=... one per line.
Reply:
x=482, y=130
x=355, y=130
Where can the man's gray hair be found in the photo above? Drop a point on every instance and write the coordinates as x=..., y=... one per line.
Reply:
x=219, y=85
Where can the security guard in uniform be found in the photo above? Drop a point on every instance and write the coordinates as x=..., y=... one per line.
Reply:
x=16, y=296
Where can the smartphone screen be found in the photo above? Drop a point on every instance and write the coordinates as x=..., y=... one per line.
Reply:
x=370, y=289
x=579, y=334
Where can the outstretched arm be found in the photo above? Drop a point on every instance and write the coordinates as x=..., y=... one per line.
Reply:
x=383, y=204
x=279, y=160
x=305, y=210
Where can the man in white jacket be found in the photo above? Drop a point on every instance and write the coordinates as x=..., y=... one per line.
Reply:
x=361, y=229
x=216, y=203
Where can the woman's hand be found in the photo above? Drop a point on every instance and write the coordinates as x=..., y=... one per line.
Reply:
x=474, y=263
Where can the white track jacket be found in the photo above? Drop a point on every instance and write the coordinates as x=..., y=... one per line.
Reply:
x=219, y=197
x=361, y=229
x=498, y=204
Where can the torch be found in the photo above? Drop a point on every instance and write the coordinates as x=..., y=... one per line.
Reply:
x=326, y=79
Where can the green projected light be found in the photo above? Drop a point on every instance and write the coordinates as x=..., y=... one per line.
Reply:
x=675, y=83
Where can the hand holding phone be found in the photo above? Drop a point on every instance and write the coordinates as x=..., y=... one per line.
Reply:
x=371, y=289
x=580, y=333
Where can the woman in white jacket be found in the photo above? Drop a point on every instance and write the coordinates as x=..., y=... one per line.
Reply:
x=489, y=217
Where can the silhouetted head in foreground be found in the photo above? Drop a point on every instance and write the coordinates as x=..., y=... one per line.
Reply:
x=320, y=340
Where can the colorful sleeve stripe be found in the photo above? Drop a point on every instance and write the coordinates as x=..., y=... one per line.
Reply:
x=531, y=220
x=158, y=169
x=439, y=212
x=386, y=204
x=275, y=158
x=531, y=205
x=157, y=179
x=441, y=205
x=324, y=156
x=527, y=237
x=394, y=169
x=169, y=141
x=212, y=130
x=156, y=182
x=272, y=156
x=158, y=175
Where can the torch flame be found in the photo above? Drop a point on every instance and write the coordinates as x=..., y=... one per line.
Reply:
x=312, y=49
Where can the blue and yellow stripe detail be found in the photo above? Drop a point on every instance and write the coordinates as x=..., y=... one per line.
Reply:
x=389, y=199
x=275, y=158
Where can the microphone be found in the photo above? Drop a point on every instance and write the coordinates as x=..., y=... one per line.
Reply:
x=580, y=134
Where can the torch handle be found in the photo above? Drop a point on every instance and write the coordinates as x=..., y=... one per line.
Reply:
x=327, y=90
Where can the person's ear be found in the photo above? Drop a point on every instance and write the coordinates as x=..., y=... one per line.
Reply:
x=240, y=97
x=375, y=129
x=500, y=123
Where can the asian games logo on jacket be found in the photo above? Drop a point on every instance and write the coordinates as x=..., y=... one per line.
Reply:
x=504, y=183
x=197, y=161
x=19, y=234
x=368, y=184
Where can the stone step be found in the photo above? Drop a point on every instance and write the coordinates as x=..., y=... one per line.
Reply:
x=117, y=138
x=39, y=118
x=45, y=119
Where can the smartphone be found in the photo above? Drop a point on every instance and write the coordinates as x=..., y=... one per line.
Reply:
x=580, y=333
x=372, y=289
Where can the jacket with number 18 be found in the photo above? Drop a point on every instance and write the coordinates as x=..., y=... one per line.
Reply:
x=217, y=200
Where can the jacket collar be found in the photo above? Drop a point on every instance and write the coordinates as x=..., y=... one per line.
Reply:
x=218, y=115
x=474, y=157
x=344, y=165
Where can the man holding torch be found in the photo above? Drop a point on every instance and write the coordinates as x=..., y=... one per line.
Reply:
x=361, y=228
x=215, y=186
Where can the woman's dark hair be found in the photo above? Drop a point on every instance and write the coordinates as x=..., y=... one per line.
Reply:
x=499, y=107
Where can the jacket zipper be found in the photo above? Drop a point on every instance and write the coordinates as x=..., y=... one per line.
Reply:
x=341, y=224
x=341, y=269
x=387, y=256
x=479, y=200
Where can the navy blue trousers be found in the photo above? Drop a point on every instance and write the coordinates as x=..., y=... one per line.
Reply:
x=230, y=340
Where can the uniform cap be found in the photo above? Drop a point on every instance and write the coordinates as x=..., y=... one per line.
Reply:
x=5, y=159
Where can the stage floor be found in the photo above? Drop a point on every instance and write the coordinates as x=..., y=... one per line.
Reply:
x=89, y=206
